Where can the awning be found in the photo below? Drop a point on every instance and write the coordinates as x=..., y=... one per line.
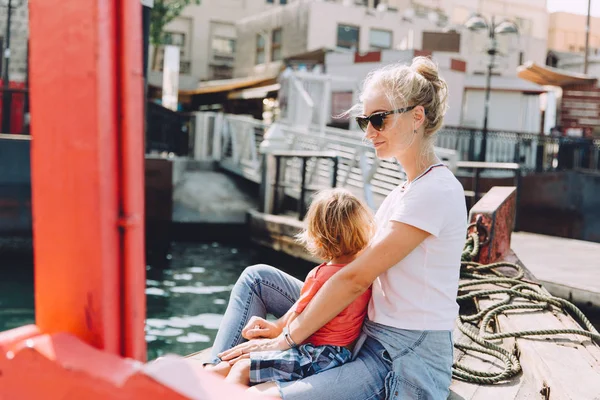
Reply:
x=544, y=75
x=260, y=92
x=226, y=85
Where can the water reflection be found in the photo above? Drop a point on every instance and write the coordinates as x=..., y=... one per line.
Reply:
x=188, y=294
x=187, y=291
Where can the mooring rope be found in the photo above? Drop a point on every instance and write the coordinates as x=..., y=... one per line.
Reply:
x=477, y=326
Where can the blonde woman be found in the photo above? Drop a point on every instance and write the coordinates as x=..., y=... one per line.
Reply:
x=413, y=262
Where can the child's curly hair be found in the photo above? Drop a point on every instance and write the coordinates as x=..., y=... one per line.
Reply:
x=337, y=224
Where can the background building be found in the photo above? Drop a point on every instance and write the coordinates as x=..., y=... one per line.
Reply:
x=207, y=37
x=566, y=33
x=299, y=31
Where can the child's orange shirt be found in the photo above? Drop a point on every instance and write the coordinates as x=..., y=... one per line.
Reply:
x=345, y=327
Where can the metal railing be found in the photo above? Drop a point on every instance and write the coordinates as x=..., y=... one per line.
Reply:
x=532, y=152
x=234, y=141
x=305, y=157
x=168, y=131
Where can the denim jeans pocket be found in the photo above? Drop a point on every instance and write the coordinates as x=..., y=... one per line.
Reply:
x=398, y=388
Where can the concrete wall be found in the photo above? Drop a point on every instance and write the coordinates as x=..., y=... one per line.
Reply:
x=320, y=31
x=566, y=32
x=293, y=20
x=200, y=23
x=509, y=111
x=531, y=15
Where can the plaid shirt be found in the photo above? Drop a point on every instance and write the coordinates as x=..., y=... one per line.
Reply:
x=296, y=363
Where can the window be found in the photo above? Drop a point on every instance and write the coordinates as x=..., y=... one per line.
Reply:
x=221, y=72
x=175, y=38
x=379, y=39
x=270, y=1
x=276, y=45
x=260, y=49
x=185, y=66
x=223, y=46
x=441, y=41
x=347, y=37
x=282, y=1
x=521, y=58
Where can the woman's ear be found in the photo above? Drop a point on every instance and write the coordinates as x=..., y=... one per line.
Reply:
x=419, y=116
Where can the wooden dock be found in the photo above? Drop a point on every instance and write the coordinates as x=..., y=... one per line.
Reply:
x=562, y=367
x=568, y=268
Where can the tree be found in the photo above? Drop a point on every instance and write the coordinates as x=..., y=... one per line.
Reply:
x=163, y=12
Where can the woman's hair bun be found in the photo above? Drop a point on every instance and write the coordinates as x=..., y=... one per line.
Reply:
x=425, y=67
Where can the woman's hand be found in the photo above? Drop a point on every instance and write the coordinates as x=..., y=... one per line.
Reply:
x=259, y=327
x=243, y=350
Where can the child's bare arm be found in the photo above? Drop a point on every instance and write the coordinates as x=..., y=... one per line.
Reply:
x=259, y=327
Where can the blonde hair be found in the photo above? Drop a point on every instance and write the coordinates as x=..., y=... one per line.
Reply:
x=417, y=84
x=337, y=224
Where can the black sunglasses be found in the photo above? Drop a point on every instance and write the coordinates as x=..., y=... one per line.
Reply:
x=377, y=119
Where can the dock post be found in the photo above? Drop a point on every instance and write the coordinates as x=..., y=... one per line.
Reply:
x=497, y=211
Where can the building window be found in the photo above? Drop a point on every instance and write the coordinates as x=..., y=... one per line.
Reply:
x=441, y=41
x=175, y=38
x=270, y=1
x=347, y=37
x=260, y=49
x=521, y=58
x=223, y=46
x=276, y=45
x=282, y=1
x=185, y=66
x=221, y=72
x=380, y=39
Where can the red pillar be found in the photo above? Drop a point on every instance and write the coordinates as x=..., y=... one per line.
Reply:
x=87, y=171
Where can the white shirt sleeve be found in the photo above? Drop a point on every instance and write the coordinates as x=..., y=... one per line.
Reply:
x=423, y=206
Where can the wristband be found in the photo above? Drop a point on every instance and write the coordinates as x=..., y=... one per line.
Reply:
x=288, y=338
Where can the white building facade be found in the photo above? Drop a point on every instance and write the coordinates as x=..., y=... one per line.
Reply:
x=268, y=38
x=206, y=35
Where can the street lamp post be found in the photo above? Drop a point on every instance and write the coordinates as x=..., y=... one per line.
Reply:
x=478, y=23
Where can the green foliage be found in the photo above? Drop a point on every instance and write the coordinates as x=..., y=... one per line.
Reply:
x=163, y=12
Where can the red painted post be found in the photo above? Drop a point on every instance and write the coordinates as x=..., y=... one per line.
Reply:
x=87, y=171
x=497, y=210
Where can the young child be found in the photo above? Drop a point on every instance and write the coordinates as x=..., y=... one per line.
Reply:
x=338, y=227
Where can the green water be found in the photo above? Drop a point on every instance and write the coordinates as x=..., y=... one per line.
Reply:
x=187, y=292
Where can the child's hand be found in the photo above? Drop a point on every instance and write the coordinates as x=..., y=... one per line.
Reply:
x=259, y=327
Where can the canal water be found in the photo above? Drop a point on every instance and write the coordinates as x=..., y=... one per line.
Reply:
x=187, y=292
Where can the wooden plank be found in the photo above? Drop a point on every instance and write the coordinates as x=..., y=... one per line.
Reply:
x=568, y=364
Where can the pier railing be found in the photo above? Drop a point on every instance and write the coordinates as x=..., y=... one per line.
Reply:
x=531, y=151
x=234, y=141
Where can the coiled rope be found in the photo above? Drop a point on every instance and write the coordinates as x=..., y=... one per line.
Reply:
x=477, y=326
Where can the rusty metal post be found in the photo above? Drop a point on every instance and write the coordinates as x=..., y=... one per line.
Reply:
x=497, y=210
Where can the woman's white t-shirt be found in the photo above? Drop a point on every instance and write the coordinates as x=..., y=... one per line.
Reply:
x=419, y=292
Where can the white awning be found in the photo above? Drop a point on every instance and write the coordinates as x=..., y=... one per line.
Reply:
x=260, y=92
